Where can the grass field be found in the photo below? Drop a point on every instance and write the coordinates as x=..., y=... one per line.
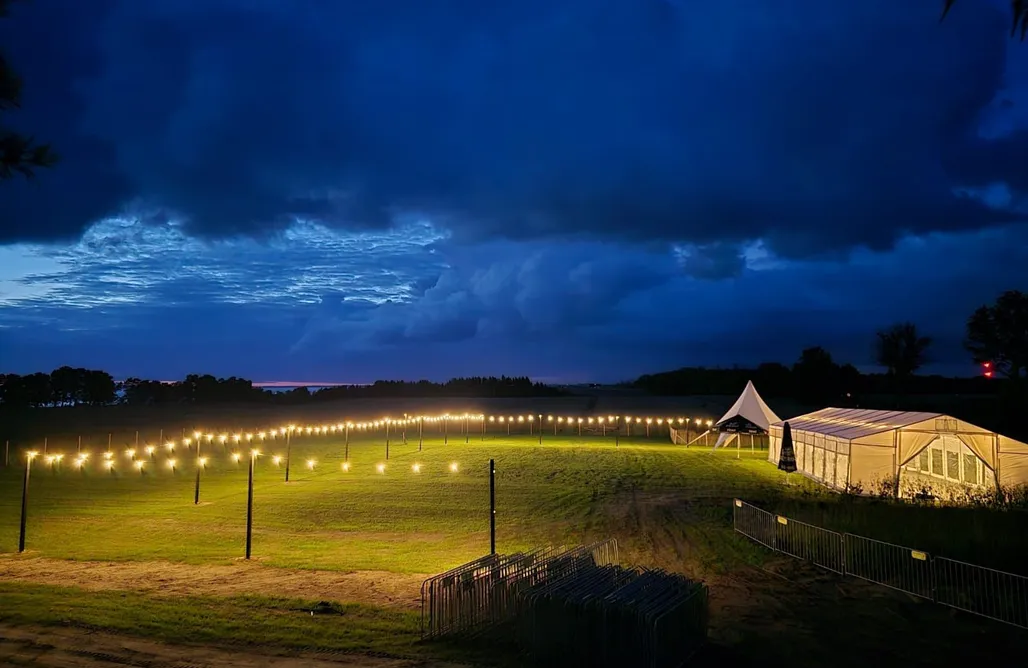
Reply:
x=564, y=491
x=154, y=564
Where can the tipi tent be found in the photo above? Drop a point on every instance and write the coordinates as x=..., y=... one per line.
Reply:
x=748, y=415
x=848, y=448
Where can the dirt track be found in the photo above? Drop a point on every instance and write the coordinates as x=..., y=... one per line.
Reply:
x=172, y=579
x=76, y=648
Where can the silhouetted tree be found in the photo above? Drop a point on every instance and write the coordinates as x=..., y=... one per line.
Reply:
x=1019, y=10
x=816, y=375
x=999, y=334
x=19, y=154
x=901, y=349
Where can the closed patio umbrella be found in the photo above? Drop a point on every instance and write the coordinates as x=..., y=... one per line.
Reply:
x=786, y=455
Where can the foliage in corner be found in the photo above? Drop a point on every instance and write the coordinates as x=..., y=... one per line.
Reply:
x=19, y=154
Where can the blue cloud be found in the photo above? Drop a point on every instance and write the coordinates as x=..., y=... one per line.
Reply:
x=571, y=188
x=700, y=123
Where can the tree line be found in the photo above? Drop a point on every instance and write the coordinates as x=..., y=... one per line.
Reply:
x=69, y=386
x=996, y=334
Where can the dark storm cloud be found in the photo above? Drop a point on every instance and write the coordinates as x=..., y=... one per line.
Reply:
x=51, y=44
x=818, y=125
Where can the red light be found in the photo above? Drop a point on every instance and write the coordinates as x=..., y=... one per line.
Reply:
x=988, y=374
x=987, y=365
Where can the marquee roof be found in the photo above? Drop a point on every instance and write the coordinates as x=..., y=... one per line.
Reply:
x=853, y=423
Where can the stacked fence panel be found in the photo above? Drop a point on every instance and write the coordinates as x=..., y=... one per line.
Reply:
x=975, y=589
x=571, y=606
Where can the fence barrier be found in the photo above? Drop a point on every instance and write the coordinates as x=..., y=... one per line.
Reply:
x=981, y=591
x=571, y=606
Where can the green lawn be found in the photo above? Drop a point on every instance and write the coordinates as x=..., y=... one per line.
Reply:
x=565, y=490
x=667, y=506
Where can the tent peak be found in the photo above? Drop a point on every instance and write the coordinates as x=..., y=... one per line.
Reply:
x=751, y=407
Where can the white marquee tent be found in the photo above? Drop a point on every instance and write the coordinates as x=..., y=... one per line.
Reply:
x=842, y=447
x=748, y=415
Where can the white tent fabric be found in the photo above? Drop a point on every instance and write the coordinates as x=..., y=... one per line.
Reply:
x=750, y=406
x=848, y=448
x=725, y=438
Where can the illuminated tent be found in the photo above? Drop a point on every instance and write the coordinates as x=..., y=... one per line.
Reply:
x=748, y=415
x=857, y=448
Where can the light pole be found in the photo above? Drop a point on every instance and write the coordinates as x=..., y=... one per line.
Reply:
x=492, y=507
x=540, y=429
x=199, y=467
x=289, y=433
x=29, y=456
x=387, y=439
x=421, y=431
x=467, y=430
x=249, y=502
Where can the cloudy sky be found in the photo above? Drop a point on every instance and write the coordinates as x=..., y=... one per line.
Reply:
x=570, y=189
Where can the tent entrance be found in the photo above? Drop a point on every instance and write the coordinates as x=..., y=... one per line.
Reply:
x=944, y=467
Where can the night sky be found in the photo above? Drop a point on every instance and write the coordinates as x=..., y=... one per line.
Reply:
x=572, y=189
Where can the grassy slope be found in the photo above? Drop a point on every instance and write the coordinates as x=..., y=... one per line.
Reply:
x=397, y=521
x=667, y=506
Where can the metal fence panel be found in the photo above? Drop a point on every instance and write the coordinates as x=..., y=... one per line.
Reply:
x=975, y=589
x=805, y=541
x=889, y=565
x=755, y=523
x=982, y=591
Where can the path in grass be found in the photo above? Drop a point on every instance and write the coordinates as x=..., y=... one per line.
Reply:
x=78, y=648
x=174, y=579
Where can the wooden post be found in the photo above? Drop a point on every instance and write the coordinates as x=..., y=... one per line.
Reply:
x=421, y=432
x=80, y=444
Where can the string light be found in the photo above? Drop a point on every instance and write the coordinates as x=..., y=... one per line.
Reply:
x=82, y=458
